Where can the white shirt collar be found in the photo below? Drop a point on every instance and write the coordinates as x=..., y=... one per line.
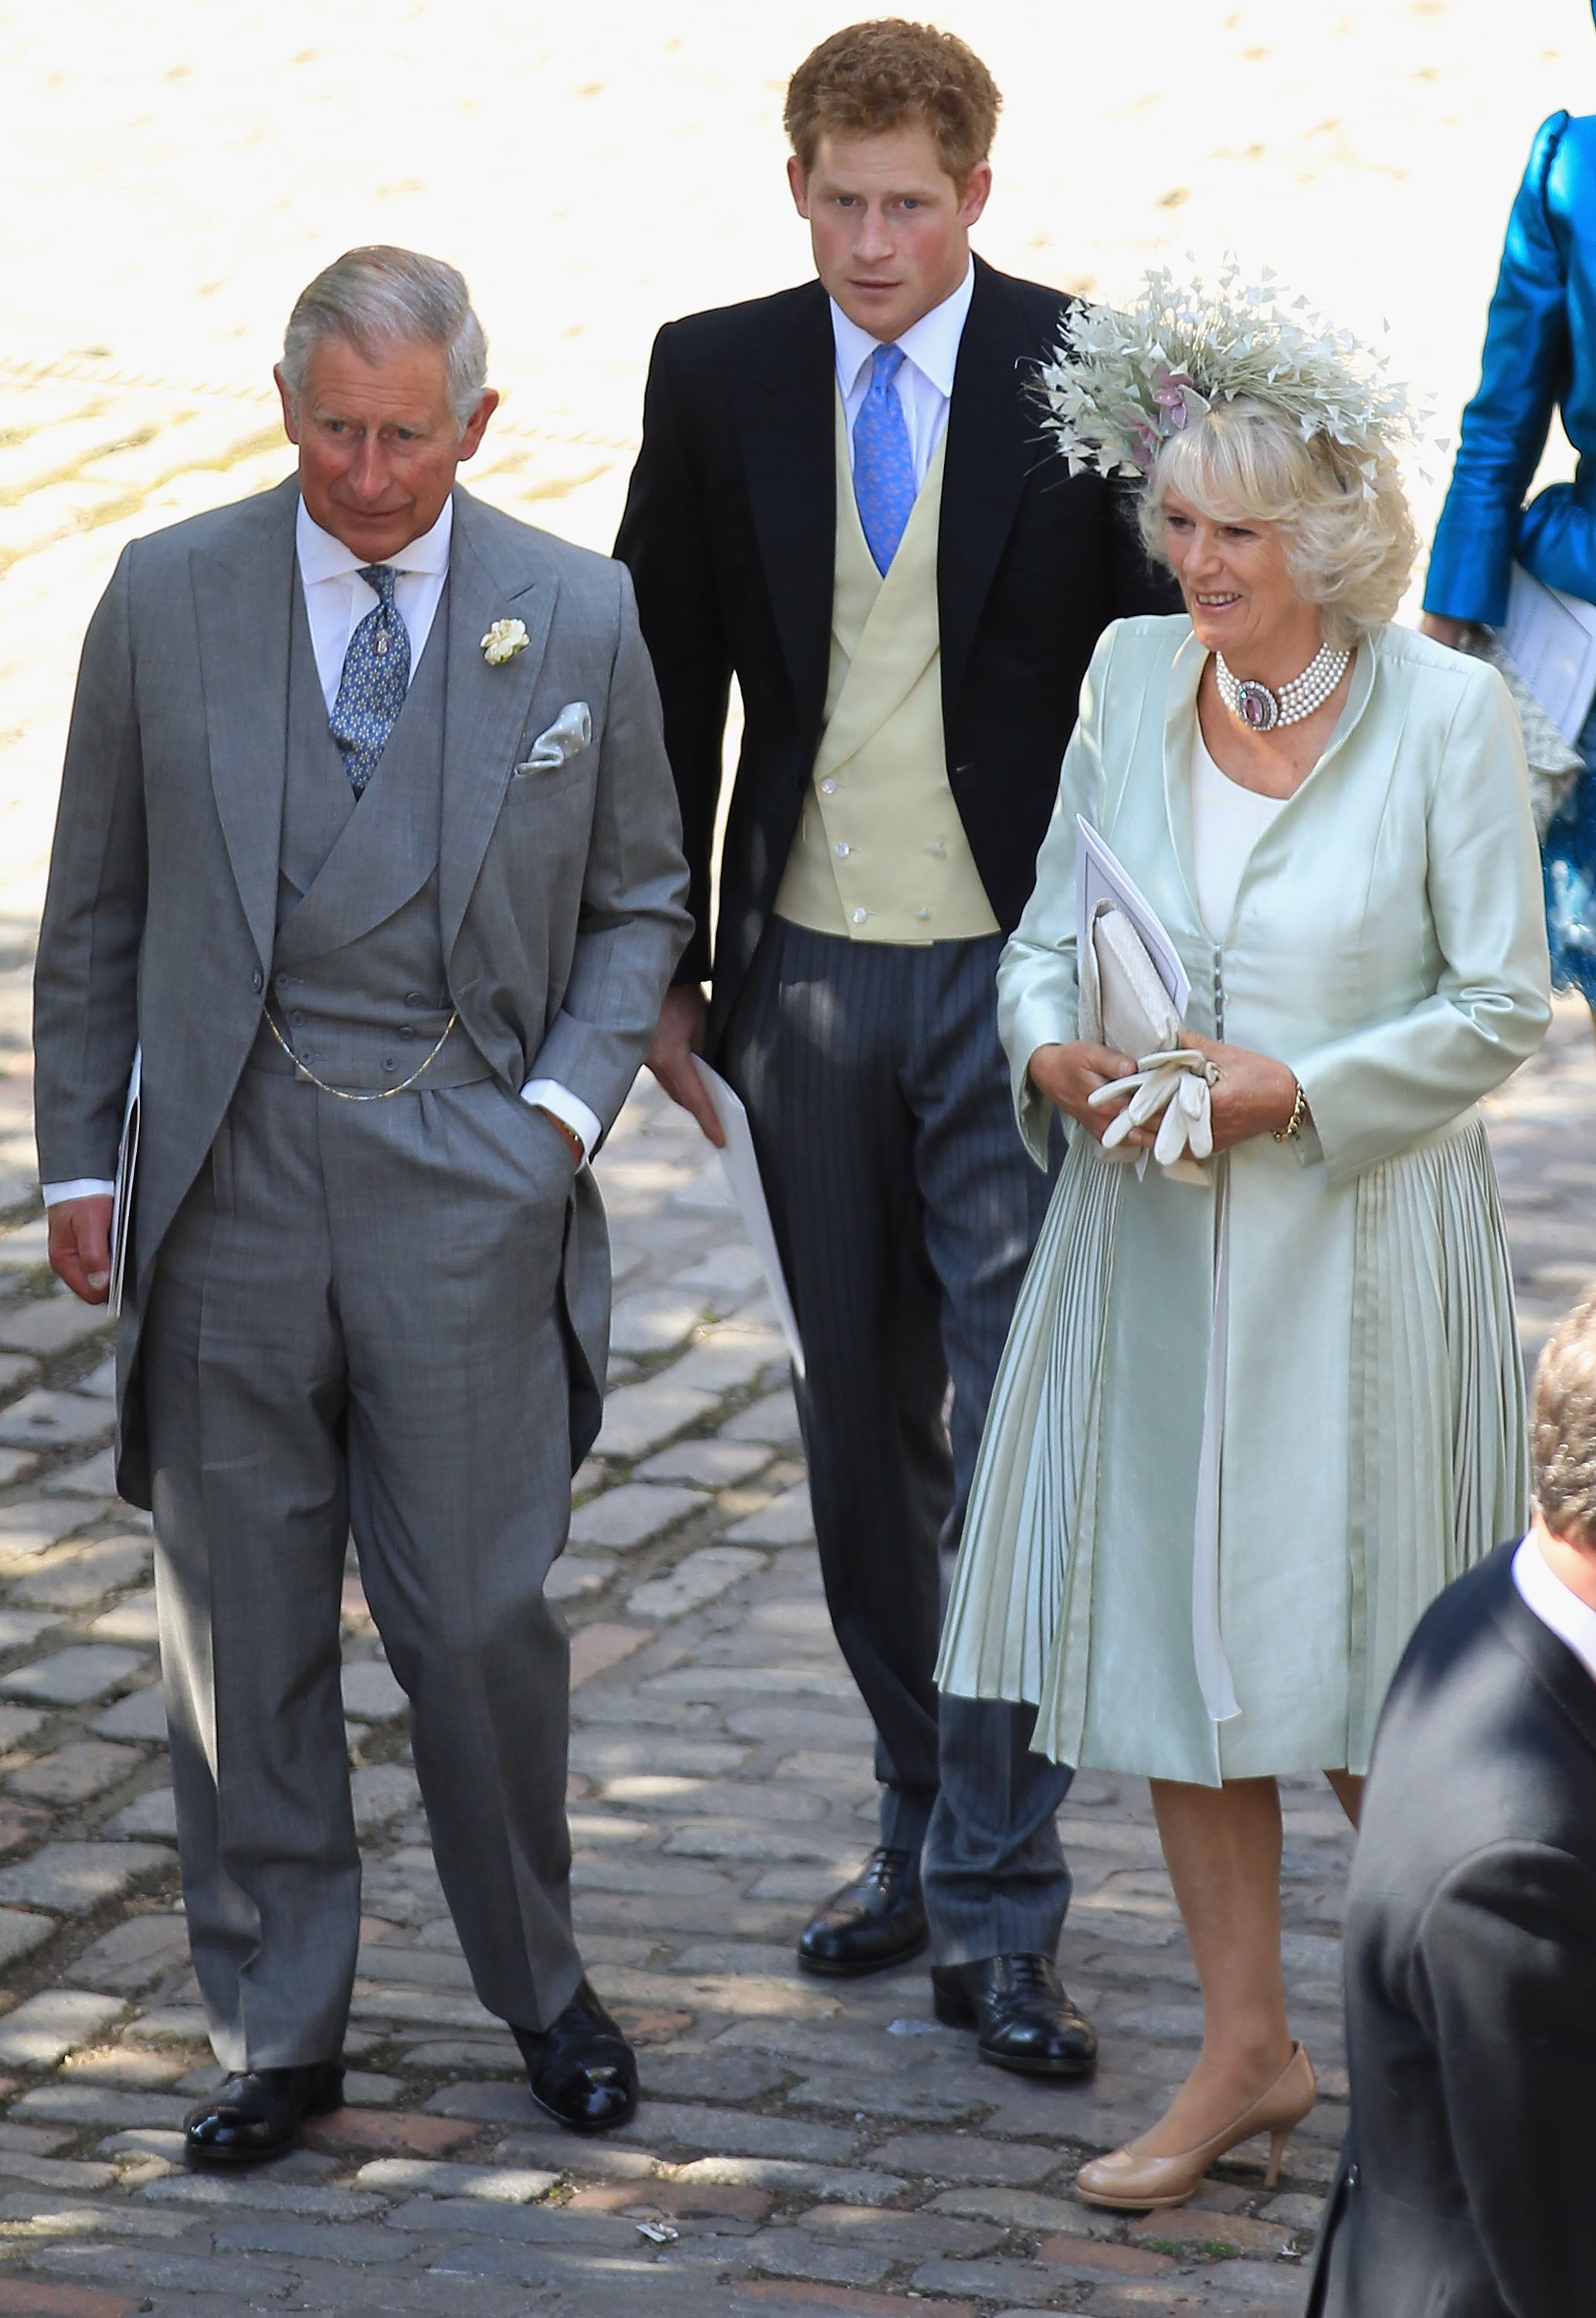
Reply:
x=932, y=344
x=1557, y=1605
x=323, y=557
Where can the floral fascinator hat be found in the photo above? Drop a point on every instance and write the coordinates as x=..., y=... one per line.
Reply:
x=1121, y=382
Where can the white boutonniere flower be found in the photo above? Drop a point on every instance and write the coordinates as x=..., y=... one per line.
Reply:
x=503, y=640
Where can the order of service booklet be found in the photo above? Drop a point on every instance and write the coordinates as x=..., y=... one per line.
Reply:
x=127, y=1165
x=742, y=1176
x=1101, y=876
x=1550, y=637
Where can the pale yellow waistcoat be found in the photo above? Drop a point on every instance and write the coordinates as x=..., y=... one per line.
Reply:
x=881, y=853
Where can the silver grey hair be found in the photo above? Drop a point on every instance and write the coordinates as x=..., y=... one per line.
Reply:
x=380, y=297
x=1563, y=1427
x=1350, y=541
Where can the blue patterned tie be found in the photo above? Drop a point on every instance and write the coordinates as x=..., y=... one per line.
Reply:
x=376, y=677
x=884, y=464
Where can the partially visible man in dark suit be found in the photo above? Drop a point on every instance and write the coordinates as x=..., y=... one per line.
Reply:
x=1465, y=2187
x=843, y=498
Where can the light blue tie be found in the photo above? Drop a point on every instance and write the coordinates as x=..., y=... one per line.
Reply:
x=884, y=464
x=376, y=677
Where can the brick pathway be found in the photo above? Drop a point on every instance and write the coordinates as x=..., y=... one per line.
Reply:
x=804, y=2148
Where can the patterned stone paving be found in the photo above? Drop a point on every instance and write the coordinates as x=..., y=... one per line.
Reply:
x=803, y=2147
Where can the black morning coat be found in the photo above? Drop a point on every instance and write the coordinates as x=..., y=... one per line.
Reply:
x=729, y=532
x=1467, y=2186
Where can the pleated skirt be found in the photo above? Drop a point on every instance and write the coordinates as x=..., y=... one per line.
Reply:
x=1375, y=1449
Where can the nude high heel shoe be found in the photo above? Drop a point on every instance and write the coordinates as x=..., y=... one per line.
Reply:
x=1126, y=2178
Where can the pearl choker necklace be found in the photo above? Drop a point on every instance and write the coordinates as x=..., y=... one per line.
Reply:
x=1260, y=710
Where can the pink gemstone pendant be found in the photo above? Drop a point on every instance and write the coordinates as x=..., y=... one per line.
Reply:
x=1256, y=705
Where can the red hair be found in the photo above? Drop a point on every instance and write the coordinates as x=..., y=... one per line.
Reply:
x=875, y=76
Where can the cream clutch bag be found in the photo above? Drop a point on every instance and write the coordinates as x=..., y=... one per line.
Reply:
x=1124, y=1005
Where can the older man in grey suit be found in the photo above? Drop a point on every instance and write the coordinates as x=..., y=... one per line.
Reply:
x=368, y=842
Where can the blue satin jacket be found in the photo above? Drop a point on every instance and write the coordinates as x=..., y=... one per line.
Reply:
x=1540, y=352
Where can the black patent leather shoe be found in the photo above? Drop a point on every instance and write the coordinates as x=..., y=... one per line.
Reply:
x=1022, y=2017
x=254, y=2114
x=581, y=2070
x=878, y=1919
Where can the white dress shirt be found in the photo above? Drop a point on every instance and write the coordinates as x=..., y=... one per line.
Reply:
x=337, y=600
x=1557, y=1605
x=925, y=380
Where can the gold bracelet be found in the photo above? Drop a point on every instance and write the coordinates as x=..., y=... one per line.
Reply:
x=1294, y=1125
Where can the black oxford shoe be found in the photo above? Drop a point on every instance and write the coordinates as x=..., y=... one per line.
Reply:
x=581, y=2069
x=878, y=1919
x=1020, y=2014
x=254, y=2114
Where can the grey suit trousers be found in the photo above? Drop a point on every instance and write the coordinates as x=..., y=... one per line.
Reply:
x=906, y=1209
x=354, y=1326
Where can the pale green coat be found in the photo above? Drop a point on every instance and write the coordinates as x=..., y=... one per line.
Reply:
x=1388, y=943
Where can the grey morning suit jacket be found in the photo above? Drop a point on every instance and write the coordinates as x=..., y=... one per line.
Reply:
x=559, y=892
x=1468, y=2187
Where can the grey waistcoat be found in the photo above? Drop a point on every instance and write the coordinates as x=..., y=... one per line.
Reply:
x=359, y=988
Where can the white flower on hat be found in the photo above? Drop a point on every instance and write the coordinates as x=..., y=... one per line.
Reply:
x=503, y=640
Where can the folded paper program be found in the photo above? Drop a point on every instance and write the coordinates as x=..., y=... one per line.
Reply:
x=1124, y=1003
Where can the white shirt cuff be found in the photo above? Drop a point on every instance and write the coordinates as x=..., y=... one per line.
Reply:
x=82, y=1187
x=548, y=1094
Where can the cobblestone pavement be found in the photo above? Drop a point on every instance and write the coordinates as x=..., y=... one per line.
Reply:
x=803, y=2147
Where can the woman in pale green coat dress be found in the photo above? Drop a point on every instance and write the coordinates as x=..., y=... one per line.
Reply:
x=1205, y=1521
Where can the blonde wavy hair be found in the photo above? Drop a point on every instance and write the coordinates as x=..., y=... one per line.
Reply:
x=1351, y=544
x=1563, y=1426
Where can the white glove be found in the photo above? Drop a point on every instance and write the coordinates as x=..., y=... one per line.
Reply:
x=1174, y=1083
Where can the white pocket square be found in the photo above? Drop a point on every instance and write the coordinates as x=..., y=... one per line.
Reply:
x=568, y=736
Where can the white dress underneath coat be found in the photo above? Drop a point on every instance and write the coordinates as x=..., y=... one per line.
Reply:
x=1366, y=1411
x=1227, y=822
